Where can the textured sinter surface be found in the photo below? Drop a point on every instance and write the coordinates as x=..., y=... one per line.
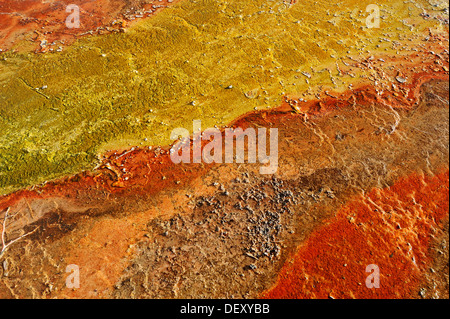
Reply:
x=363, y=151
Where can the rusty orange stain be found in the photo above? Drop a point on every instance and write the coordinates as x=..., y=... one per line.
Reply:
x=391, y=228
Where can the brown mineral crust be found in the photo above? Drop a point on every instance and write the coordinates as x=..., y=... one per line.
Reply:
x=106, y=220
x=45, y=20
x=391, y=228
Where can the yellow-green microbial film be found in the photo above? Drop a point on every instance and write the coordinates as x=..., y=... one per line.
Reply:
x=207, y=60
